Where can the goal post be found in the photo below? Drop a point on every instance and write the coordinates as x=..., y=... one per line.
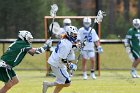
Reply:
x=46, y=18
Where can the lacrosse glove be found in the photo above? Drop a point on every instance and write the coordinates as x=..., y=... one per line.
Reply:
x=99, y=49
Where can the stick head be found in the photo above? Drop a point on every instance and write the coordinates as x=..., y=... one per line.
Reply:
x=56, y=28
x=54, y=9
x=99, y=16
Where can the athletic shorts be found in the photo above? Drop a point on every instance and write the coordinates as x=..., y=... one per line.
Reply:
x=6, y=74
x=136, y=54
x=62, y=76
x=88, y=54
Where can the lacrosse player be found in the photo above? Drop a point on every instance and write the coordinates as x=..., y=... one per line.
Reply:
x=14, y=55
x=88, y=52
x=58, y=61
x=132, y=45
x=66, y=22
x=61, y=34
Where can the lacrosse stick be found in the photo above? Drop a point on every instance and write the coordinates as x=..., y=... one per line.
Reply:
x=54, y=9
x=98, y=20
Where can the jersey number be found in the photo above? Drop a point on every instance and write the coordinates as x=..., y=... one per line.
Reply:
x=57, y=47
x=89, y=38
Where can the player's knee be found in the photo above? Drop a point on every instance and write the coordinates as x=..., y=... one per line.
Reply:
x=16, y=82
x=67, y=85
x=8, y=86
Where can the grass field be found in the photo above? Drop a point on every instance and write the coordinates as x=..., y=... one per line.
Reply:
x=108, y=82
x=111, y=81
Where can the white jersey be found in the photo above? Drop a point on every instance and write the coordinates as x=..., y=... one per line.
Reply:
x=61, y=52
x=90, y=39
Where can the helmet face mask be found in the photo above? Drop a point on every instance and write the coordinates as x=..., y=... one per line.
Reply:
x=72, y=32
x=26, y=36
x=136, y=23
x=87, y=22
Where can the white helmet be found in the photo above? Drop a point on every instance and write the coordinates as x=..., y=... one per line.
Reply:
x=67, y=22
x=70, y=30
x=25, y=35
x=87, y=22
x=136, y=23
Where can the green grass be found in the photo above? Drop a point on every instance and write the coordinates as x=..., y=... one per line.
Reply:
x=109, y=82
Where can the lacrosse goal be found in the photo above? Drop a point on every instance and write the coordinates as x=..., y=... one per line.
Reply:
x=46, y=27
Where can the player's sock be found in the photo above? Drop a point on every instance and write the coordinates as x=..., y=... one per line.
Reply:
x=85, y=75
x=133, y=72
x=92, y=74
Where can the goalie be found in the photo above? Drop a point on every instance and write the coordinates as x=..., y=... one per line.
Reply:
x=132, y=45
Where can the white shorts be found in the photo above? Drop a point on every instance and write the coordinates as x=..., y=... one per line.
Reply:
x=71, y=56
x=62, y=76
x=88, y=54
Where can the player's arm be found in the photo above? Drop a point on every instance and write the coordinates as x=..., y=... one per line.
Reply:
x=127, y=45
x=40, y=50
x=97, y=42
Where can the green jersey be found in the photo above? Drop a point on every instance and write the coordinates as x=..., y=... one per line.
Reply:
x=133, y=35
x=16, y=52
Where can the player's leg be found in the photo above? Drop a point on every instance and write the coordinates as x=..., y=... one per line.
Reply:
x=84, y=66
x=9, y=77
x=9, y=85
x=59, y=87
x=136, y=60
x=91, y=54
x=62, y=80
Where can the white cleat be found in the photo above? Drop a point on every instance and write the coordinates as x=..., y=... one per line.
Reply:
x=134, y=74
x=93, y=76
x=85, y=76
x=45, y=86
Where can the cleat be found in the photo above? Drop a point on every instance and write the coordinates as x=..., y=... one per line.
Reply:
x=93, y=76
x=85, y=76
x=134, y=74
x=45, y=86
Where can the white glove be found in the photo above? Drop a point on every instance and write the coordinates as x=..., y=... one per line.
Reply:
x=48, y=43
x=2, y=64
x=99, y=49
x=128, y=50
x=72, y=66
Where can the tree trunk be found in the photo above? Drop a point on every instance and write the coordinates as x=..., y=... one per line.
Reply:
x=111, y=16
x=126, y=10
x=138, y=8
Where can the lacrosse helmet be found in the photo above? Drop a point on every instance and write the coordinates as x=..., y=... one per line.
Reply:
x=25, y=35
x=87, y=22
x=71, y=32
x=136, y=23
x=67, y=22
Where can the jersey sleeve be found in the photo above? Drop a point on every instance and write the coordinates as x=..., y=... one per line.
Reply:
x=78, y=35
x=129, y=34
x=95, y=36
x=27, y=48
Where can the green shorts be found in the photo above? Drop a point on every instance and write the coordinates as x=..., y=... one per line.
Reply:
x=136, y=54
x=6, y=74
